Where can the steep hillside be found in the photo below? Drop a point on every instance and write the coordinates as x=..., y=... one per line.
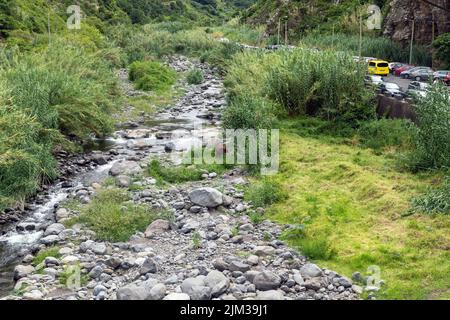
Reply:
x=22, y=17
x=430, y=21
x=303, y=16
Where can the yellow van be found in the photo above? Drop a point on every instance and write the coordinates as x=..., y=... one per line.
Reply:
x=378, y=67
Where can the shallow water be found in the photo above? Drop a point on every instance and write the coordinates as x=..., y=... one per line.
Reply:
x=175, y=127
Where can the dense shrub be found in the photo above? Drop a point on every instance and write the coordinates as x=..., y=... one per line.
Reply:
x=152, y=75
x=265, y=193
x=384, y=133
x=326, y=84
x=62, y=90
x=249, y=112
x=442, y=46
x=115, y=219
x=432, y=139
x=195, y=76
x=25, y=154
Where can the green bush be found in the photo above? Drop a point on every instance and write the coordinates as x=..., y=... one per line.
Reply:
x=432, y=139
x=181, y=173
x=249, y=112
x=195, y=76
x=59, y=91
x=385, y=133
x=322, y=83
x=113, y=217
x=313, y=247
x=265, y=193
x=152, y=76
x=442, y=46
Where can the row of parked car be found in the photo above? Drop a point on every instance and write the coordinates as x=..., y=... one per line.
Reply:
x=406, y=71
x=419, y=73
x=415, y=88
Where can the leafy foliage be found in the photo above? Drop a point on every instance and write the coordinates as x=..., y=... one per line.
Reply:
x=442, y=46
x=115, y=219
x=434, y=201
x=152, y=76
x=248, y=112
x=385, y=133
x=265, y=193
x=195, y=76
x=432, y=138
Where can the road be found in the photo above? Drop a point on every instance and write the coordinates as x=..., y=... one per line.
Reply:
x=403, y=83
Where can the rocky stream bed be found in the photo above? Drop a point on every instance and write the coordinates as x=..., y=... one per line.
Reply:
x=231, y=259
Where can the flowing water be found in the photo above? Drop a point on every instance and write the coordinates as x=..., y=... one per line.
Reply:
x=173, y=126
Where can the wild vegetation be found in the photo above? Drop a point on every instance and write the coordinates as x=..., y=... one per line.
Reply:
x=114, y=218
x=357, y=190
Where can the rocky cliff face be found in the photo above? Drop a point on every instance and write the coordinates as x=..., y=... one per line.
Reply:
x=399, y=21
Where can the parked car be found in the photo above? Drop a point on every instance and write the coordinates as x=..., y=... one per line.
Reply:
x=378, y=67
x=395, y=65
x=422, y=75
x=370, y=80
x=391, y=89
x=416, y=85
x=399, y=70
x=417, y=89
x=407, y=73
x=441, y=75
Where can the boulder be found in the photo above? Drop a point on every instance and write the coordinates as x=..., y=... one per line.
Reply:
x=310, y=270
x=218, y=283
x=206, y=197
x=54, y=229
x=177, y=297
x=266, y=280
x=196, y=288
x=270, y=295
x=22, y=271
x=157, y=227
x=141, y=291
x=125, y=168
x=149, y=266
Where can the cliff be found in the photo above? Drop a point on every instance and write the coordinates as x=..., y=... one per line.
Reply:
x=430, y=21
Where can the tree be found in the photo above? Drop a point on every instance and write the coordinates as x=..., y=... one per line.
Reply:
x=442, y=46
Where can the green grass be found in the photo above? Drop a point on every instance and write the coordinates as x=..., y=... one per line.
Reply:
x=195, y=76
x=152, y=76
x=46, y=95
x=114, y=218
x=69, y=276
x=48, y=252
x=386, y=133
x=182, y=173
x=264, y=193
x=434, y=201
x=349, y=202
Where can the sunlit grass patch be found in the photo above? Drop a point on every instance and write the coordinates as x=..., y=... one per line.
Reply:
x=182, y=173
x=350, y=202
x=113, y=217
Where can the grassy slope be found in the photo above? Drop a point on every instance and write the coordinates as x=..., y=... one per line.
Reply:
x=354, y=199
